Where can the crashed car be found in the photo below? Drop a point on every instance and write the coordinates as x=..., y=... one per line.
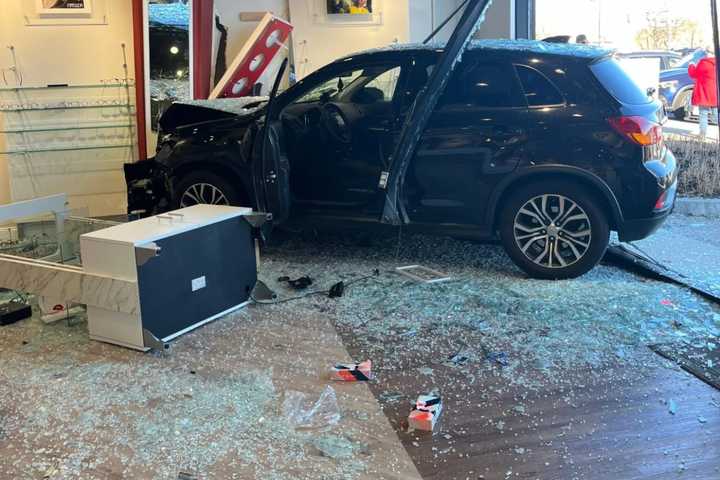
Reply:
x=548, y=147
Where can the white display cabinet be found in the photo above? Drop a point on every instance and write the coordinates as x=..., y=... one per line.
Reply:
x=191, y=266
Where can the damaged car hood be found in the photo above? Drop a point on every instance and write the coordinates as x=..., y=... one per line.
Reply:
x=200, y=111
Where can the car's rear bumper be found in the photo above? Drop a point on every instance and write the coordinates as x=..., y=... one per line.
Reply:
x=637, y=229
x=632, y=230
x=659, y=200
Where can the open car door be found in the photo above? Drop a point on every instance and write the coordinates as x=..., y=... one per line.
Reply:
x=271, y=168
x=417, y=119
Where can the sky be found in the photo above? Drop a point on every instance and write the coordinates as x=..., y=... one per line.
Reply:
x=620, y=20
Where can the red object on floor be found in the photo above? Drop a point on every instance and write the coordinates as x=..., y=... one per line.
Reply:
x=425, y=413
x=355, y=372
x=252, y=61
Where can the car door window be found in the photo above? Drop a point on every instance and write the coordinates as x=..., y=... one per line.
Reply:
x=331, y=87
x=386, y=83
x=539, y=90
x=485, y=85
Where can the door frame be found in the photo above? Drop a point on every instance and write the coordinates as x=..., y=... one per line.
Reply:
x=200, y=61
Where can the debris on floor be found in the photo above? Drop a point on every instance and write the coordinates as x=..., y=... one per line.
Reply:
x=305, y=414
x=547, y=337
x=352, y=372
x=425, y=413
x=423, y=274
x=298, y=284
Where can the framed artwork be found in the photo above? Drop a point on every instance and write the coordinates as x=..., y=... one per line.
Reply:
x=63, y=8
x=346, y=13
x=349, y=7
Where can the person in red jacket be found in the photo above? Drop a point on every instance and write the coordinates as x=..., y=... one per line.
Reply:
x=705, y=93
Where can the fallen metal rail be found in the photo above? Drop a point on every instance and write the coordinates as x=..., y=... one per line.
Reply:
x=634, y=261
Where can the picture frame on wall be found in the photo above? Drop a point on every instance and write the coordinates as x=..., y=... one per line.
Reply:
x=349, y=7
x=347, y=13
x=63, y=8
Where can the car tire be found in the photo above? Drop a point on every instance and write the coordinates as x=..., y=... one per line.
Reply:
x=208, y=188
x=684, y=112
x=566, y=241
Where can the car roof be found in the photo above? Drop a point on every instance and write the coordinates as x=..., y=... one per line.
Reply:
x=519, y=46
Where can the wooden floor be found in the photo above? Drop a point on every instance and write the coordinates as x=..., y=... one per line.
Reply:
x=609, y=424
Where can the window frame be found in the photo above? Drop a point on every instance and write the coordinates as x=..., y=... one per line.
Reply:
x=307, y=84
x=564, y=103
x=475, y=63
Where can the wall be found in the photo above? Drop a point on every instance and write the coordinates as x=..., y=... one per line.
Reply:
x=426, y=15
x=318, y=41
x=72, y=54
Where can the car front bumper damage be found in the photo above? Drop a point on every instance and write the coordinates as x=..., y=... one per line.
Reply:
x=149, y=188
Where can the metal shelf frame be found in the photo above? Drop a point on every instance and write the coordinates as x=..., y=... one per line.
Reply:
x=59, y=87
x=67, y=107
x=65, y=148
x=59, y=128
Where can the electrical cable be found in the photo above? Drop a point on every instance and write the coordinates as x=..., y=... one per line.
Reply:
x=375, y=274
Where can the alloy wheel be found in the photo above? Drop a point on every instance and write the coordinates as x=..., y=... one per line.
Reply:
x=552, y=231
x=203, y=193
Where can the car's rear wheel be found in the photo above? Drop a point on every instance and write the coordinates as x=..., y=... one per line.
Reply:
x=205, y=188
x=554, y=230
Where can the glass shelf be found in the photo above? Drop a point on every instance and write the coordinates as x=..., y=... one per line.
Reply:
x=55, y=128
x=58, y=87
x=63, y=148
x=65, y=107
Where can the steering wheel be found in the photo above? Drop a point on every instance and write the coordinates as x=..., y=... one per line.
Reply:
x=336, y=123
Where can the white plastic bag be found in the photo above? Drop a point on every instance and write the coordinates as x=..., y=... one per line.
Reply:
x=304, y=414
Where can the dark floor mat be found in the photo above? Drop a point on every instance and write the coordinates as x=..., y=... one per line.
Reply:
x=702, y=360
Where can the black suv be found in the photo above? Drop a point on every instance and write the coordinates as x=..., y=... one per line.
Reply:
x=548, y=146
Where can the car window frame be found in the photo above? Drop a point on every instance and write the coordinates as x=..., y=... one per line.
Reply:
x=334, y=69
x=563, y=104
x=474, y=62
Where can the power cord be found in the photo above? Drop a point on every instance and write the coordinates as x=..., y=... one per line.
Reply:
x=337, y=290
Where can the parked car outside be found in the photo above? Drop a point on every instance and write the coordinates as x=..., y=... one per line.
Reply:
x=676, y=87
x=667, y=59
x=549, y=147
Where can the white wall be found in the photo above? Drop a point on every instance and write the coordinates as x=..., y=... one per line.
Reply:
x=318, y=41
x=426, y=15
x=500, y=20
x=72, y=54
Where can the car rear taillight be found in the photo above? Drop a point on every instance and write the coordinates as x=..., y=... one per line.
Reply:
x=639, y=130
x=660, y=204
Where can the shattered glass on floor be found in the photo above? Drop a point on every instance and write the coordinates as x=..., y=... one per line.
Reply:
x=488, y=339
x=490, y=308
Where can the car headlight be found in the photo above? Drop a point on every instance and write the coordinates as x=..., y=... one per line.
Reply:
x=672, y=84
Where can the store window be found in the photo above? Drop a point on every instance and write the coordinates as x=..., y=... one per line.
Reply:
x=169, y=55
